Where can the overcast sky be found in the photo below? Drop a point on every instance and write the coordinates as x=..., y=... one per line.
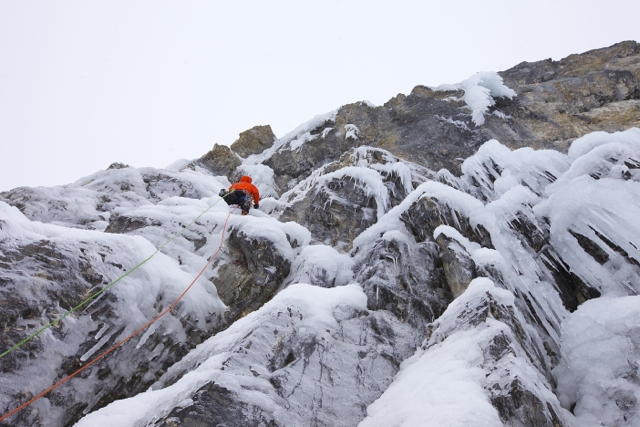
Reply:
x=84, y=84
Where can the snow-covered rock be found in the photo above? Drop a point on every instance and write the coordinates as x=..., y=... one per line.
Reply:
x=371, y=288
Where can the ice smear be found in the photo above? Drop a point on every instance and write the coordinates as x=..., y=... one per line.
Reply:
x=387, y=164
x=305, y=137
x=443, y=384
x=206, y=362
x=322, y=266
x=495, y=169
x=457, y=123
x=598, y=372
x=371, y=179
x=598, y=200
x=479, y=91
x=467, y=205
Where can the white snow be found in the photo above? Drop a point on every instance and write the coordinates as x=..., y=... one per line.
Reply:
x=598, y=372
x=272, y=230
x=583, y=145
x=442, y=386
x=305, y=137
x=593, y=191
x=137, y=296
x=322, y=263
x=206, y=362
x=371, y=180
x=325, y=132
x=602, y=209
x=479, y=91
x=351, y=131
x=497, y=168
x=467, y=205
x=295, y=138
x=178, y=165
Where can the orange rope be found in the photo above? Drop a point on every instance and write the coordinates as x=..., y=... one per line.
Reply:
x=62, y=381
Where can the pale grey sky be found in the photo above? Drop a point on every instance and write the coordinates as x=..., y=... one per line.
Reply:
x=84, y=84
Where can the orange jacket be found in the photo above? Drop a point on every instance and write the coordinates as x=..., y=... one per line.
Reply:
x=246, y=185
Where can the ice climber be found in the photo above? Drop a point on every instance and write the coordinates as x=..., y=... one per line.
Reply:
x=243, y=193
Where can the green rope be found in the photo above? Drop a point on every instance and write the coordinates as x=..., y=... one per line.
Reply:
x=101, y=291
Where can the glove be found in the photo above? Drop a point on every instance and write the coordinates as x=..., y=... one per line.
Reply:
x=256, y=206
x=222, y=193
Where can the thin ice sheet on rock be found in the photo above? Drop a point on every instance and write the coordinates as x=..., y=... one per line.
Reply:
x=262, y=176
x=495, y=169
x=319, y=327
x=593, y=211
x=459, y=201
x=124, y=308
x=321, y=265
x=443, y=385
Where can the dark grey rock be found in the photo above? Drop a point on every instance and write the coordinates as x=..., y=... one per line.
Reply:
x=251, y=275
x=427, y=214
x=405, y=280
x=459, y=268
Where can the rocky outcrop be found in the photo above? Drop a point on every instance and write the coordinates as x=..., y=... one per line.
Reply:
x=459, y=268
x=254, y=141
x=404, y=278
x=520, y=399
x=46, y=277
x=342, y=199
x=555, y=103
x=559, y=101
x=219, y=161
x=254, y=272
x=333, y=355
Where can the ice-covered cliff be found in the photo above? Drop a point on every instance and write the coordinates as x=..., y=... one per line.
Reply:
x=464, y=255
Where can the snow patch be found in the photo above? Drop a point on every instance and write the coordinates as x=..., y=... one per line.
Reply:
x=323, y=264
x=352, y=132
x=598, y=372
x=479, y=91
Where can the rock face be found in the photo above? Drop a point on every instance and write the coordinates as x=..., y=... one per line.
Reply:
x=430, y=259
x=219, y=161
x=254, y=141
x=555, y=103
x=559, y=101
x=253, y=277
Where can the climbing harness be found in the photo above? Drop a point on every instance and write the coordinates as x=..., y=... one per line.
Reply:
x=101, y=291
x=115, y=346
